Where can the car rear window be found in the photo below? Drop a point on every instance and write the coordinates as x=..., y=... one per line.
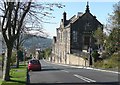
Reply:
x=34, y=62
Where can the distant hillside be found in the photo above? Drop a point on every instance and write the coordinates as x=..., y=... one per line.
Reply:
x=38, y=43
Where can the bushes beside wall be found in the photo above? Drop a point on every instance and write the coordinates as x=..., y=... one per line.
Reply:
x=113, y=62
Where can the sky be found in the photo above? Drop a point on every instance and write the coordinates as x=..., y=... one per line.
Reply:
x=99, y=9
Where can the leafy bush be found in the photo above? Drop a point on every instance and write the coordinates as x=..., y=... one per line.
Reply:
x=105, y=55
x=95, y=55
x=112, y=62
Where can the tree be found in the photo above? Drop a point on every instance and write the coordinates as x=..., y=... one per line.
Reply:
x=11, y=26
x=114, y=18
x=95, y=55
x=33, y=22
x=116, y=15
x=13, y=16
x=47, y=52
x=100, y=37
x=112, y=43
x=20, y=41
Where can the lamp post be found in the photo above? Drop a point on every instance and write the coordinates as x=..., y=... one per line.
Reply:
x=90, y=51
x=90, y=56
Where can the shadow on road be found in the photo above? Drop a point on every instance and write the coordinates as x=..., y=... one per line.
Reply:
x=98, y=83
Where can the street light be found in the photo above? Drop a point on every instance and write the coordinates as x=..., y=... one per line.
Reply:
x=90, y=50
x=90, y=56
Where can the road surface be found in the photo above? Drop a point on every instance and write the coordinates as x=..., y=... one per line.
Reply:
x=54, y=74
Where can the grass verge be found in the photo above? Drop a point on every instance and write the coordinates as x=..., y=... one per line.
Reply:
x=18, y=76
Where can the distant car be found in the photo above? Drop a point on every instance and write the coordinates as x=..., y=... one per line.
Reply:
x=34, y=64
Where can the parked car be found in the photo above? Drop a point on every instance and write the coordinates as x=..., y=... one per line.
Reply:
x=34, y=64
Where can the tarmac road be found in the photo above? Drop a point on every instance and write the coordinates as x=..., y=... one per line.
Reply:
x=54, y=74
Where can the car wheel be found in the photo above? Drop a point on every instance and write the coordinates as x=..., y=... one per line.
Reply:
x=28, y=70
x=40, y=69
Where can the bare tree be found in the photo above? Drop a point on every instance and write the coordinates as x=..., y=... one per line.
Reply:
x=13, y=16
x=24, y=36
x=39, y=13
x=11, y=27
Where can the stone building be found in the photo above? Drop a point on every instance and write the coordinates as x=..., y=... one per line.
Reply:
x=75, y=35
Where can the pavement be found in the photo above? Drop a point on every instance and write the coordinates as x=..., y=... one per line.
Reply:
x=92, y=68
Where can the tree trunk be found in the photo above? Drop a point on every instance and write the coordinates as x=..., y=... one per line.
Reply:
x=6, y=69
x=17, y=57
x=17, y=62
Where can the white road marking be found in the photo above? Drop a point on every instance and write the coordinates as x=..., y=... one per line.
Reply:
x=84, y=78
x=65, y=71
x=58, y=82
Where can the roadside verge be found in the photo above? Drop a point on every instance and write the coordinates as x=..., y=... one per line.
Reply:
x=18, y=76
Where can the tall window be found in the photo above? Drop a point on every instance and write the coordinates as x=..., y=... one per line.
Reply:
x=86, y=40
x=74, y=36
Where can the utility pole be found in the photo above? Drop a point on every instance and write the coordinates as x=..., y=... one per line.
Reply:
x=90, y=51
x=90, y=56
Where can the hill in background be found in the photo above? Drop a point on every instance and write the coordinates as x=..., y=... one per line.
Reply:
x=38, y=42
x=33, y=42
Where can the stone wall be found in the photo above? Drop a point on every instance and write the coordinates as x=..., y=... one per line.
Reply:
x=72, y=60
x=76, y=60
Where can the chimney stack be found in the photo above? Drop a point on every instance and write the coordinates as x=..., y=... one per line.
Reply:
x=64, y=17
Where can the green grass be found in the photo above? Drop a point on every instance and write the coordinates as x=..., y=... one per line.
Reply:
x=18, y=76
x=0, y=81
x=112, y=62
x=0, y=58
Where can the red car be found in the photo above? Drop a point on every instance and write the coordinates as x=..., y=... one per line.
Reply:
x=34, y=65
